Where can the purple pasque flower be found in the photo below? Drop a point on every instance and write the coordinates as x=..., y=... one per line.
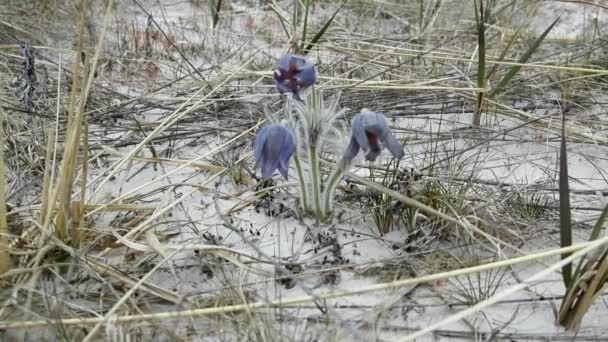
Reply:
x=370, y=133
x=274, y=145
x=293, y=74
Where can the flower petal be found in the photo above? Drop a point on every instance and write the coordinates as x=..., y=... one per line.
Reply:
x=284, y=169
x=268, y=168
x=359, y=134
x=370, y=130
x=278, y=75
x=373, y=123
x=260, y=141
x=374, y=151
x=307, y=75
x=287, y=149
x=286, y=60
x=274, y=146
x=294, y=73
x=284, y=87
x=351, y=150
x=287, y=146
x=393, y=145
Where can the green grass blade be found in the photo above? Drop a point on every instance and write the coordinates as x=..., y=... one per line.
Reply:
x=565, y=227
x=503, y=54
x=305, y=24
x=481, y=43
x=524, y=58
x=481, y=64
x=597, y=228
x=294, y=27
x=321, y=32
x=215, y=12
x=595, y=233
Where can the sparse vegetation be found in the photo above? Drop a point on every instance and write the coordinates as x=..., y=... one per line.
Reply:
x=383, y=208
x=131, y=207
x=530, y=207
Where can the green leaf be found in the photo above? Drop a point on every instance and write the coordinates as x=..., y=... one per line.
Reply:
x=565, y=226
x=503, y=54
x=321, y=32
x=524, y=58
x=480, y=18
x=481, y=43
x=215, y=12
x=305, y=23
x=595, y=233
x=597, y=228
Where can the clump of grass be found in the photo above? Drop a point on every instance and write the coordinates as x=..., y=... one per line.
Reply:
x=446, y=198
x=389, y=212
x=471, y=289
x=66, y=220
x=585, y=284
x=228, y=159
x=528, y=206
x=384, y=209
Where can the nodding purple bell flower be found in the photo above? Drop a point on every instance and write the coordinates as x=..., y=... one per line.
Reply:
x=370, y=133
x=274, y=146
x=293, y=74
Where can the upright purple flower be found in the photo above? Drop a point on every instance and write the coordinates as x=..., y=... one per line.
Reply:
x=293, y=74
x=274, y=145
x=370, y=133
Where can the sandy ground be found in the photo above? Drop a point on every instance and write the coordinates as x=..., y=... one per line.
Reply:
x=355, y=255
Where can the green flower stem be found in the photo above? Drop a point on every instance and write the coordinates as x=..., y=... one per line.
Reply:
x=331, y=187
x=303, y=189
x=316, y=188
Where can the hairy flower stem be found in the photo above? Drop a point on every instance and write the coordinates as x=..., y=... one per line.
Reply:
x=303, y=188
x=316, y=186
x=332, y=183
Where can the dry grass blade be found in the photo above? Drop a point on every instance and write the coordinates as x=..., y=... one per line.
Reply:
x=462, y=222
x=168, y=122
x=5, y=258
x=124, y=298
x=504, y=294
x=63, y=192
x=582, y=249
x=48, y=176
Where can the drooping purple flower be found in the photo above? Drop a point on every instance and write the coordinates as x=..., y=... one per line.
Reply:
x=371, y=133
x=293, y=74
x=274, y=145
